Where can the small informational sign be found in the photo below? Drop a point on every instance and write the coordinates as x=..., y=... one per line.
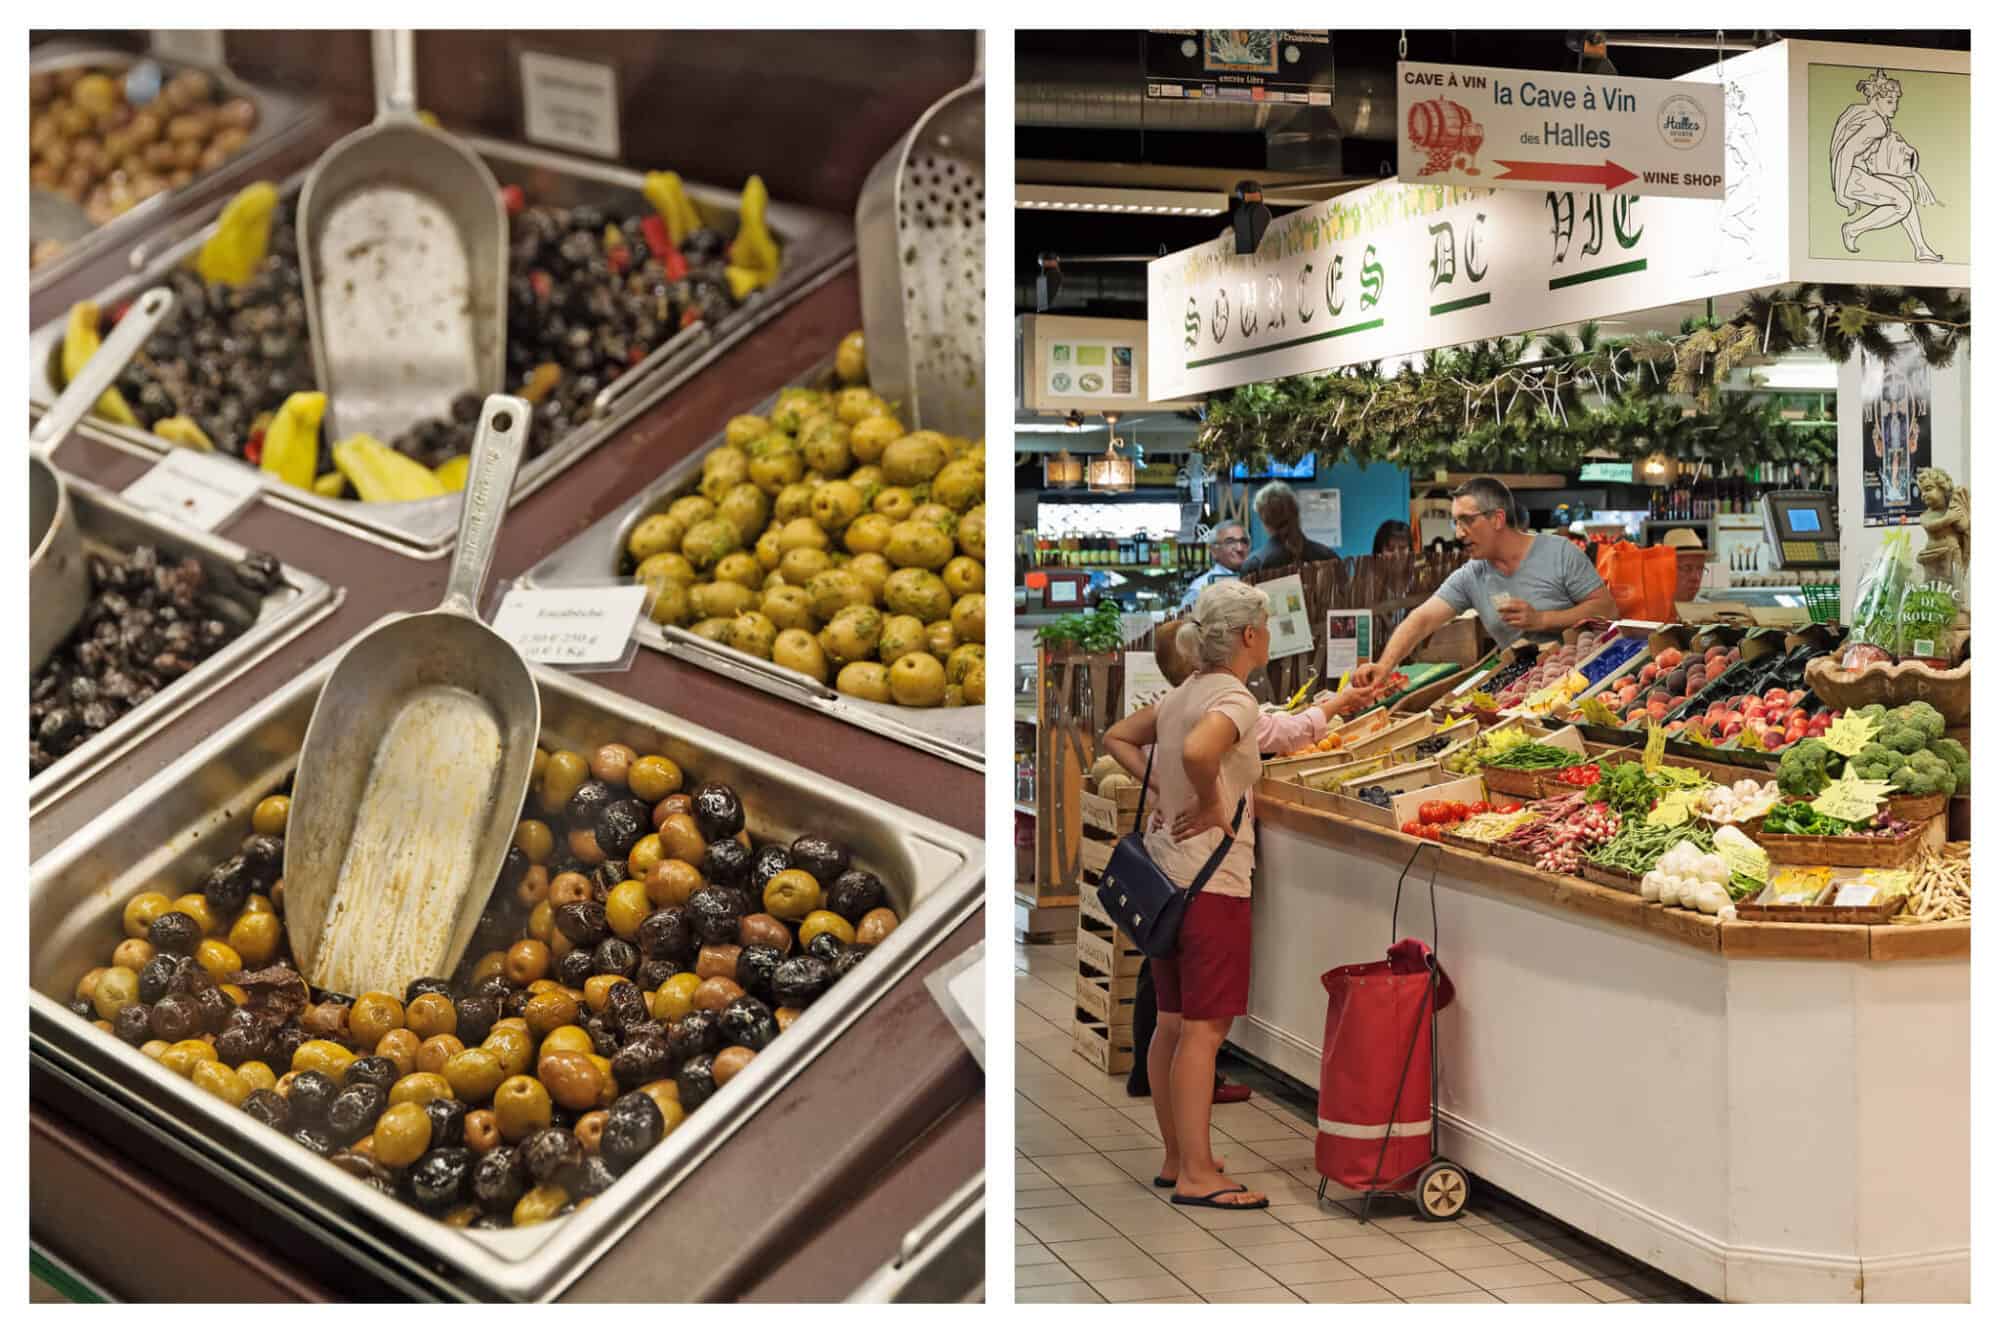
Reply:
x=1350, y=641
x=196, y=489
x=1319, y=516
x=575, y=627
x=198, y=46
x=1517, y=129
x=1291, y=627
x=1606, y=472
x=567, y=103
x=1272, y=65
x=1145, y=683
x=1079, y=369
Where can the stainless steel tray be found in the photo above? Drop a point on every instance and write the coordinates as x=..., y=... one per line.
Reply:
x=282, y=119
x=817, y=246
x=267, y=621
x=191, y=816
x=592, y=556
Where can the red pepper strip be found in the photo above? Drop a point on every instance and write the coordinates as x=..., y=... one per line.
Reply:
x=662, y=244
x=676, y=265
x=542, y=283
x=619, y=257
x=690, y=316
x=253, y=448
x=513, y=199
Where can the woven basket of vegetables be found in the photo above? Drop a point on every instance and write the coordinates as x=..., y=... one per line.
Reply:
x=1898, y=843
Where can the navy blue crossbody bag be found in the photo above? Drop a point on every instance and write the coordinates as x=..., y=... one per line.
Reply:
x=1138, y=895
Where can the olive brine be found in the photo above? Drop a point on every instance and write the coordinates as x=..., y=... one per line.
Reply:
x=640, y=950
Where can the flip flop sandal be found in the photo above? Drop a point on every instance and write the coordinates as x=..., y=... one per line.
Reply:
x=1209, y=1200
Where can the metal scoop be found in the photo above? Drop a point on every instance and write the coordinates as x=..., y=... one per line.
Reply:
x=403, y=248
x=58, y=572
x=415, y=765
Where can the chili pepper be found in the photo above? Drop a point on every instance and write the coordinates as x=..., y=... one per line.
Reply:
x=242, y=237
x=253, y=449
x=513, y=198
x=542, y=381
x=80, y=342
x=291, y=445
x=381, y=475
x=690, y=316
x=753, y=255
x=664, y=191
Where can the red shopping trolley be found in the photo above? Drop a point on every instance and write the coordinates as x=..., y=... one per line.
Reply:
x=1378, y=1075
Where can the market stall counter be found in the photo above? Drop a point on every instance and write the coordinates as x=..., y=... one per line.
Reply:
x=1767, y=1112
x=833, y=1158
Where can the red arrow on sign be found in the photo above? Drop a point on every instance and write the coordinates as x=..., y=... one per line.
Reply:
x=1609, y=176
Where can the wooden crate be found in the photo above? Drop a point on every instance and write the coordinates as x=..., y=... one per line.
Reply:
x=1107, y=950
x=1091, y=910
x=1094, y=853
x=1109, y=816
x=1108, y=1000
x=1102, y=1047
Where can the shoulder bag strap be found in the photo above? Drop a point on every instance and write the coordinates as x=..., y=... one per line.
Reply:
x=1221, y=850
x=1145, y=787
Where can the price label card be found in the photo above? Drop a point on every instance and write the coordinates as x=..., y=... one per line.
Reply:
x=199, y=490
x=1291, y=629
x=574, y=627
x=569, y=103
x=1349, y=641
x=1145, y=683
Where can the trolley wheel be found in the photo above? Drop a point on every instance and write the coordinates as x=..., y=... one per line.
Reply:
x=1442, y=1190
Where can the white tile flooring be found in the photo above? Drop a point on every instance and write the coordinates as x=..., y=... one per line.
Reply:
x=1089, y=1227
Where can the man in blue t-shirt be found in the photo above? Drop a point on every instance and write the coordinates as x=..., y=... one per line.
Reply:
x=1519, y=582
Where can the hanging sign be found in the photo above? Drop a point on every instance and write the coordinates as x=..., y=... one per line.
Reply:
x=1268, y=65
x=1291, y=630
x=1529, y=130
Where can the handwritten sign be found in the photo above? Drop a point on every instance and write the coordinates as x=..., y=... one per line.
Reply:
x=198, y=490
x=571, y=627
x=569, y=103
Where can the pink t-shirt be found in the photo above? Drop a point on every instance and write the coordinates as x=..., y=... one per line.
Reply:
x=1179, y=713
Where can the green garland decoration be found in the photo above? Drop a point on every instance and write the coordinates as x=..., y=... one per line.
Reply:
x=1481, y=407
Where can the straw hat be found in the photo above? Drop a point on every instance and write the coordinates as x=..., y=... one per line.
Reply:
x=1686, y=539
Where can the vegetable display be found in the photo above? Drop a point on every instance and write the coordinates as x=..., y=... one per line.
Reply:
x=1740, y=804
x=1610, y=658
x=1626, y=788
x=1639, y=846
x=1578, y=775
x=1798, y=818
x=1692, y=878
x=1907, y=749
x=1531, y=757
x=1569, y=826
x=1941, y=885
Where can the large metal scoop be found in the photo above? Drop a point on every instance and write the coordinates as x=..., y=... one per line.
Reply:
x=58, y=572
x=403, y=249
x=415, y=765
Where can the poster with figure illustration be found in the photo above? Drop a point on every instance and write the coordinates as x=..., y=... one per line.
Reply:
x=1895, y=434
x=1893, y=167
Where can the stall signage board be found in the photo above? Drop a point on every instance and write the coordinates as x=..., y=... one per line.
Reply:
x=1145, y=683
x=568, y=103
x=1269, y=65
x=1091, y=369
x=1529, y=130
x=1291, y=627
x=1350, y=639
x=1319, y=515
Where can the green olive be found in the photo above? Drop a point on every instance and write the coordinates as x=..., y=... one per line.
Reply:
x=665, y=565
x=218, y=1079
x=374, y=1016
x=825, y=923
x=792, y=895
x=722, y=471
x=142, y=911
x=420, y=1089
x=836, y=504
x=768, y=551
x=858, y=403
x=850, y=360
x=800, y=651
x=916, y=680
x=654, y=535
x=958, y=485
x=895, y=503
x=775, y=463
x=745, y=428
x=801, y=565
x=712, y=627
x=566, y=771
x=972, y=533
x=943, y=639
x=710, y=540
x=915, y=458
x=873, y=570
x=968, y=618
x=270, y=816
x=692, y=509
x=535, y=840
x=919, y=593
x=540, y=1204
x=870, y=436
x=788, y=607
x=626, y=906
x=746, y=506
x=900, y=635
x=116, y=988
x=824, y=444
x=964, y=575
x=974, y=684
x=868, y=533
x=851, y=635
x=963, y=658
x=720, y=599
x=865, y=680
x=795, y=501
x=654, y=777
x=402, y=1134
x=803, y=533
x=752, y=632
x=256, y=937
x=914, y=543
x=834, y=591
x=740, y=567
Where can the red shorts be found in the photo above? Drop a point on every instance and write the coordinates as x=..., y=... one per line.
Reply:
x=1209, y=974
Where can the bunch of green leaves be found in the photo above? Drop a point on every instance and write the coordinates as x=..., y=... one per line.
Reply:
x=1626, y=788
x=1099, y=630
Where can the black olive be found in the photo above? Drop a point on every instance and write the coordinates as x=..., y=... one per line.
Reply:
x=264, y=854
x=619, y=824
x=696, y=1081
x=755, y=967
x=582, y=924
x=768, y=862
x=190, y=978
x=516, y=1003
x=653, y=973
x=83, y=1009
x=608, y=875
x=354, y=1112
x=650, y=1029
x=311, y=1096
x=614, y=957
x=592, y=796
x=176, y=1018
x=495, y=986
x=698, y=1033
x=438, y=1178
x=476, y=1016
x=822, y=858
x=666, y=935
x=631, y=1129
x=825, y=947
x=315, y=1140
x=715, y=913
x=134, y=1026
x=498, y=1181
x=513, y=869
x=726, y=862
x=548, y=1153
x=354, y=1164
x=593, y=1178
x=447, y=1122
x=854, y=894
x=215, y=1006
x=800, y=981
x=576, y=967
x=285, y=1042
x=747, y=1021
x=465, y=408
x=176, y=933
x=268, y=1108
x=427, y=986
x=377, y=1070
x=605, y=1039
x=641, y=1062
x=847, y=960
x=240, y=1043
x=626, y=1005
x=157, y=976
x=718, y=811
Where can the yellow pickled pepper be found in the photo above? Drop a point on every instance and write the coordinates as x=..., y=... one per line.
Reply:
x=242, y=236
x=184, y=431
x=664, y=191
x=80, y=343
x=291, y=441
x=753, y=255
x=452, y=472
x=380, y=475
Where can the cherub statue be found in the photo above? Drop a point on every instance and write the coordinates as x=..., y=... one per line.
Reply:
x=1947, y=520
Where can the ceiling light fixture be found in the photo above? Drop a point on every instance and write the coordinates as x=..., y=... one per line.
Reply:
x=1093, y=199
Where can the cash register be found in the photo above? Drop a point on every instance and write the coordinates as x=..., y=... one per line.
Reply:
x=1802, y=528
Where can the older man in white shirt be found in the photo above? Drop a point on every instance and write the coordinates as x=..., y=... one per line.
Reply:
x=1229, y=546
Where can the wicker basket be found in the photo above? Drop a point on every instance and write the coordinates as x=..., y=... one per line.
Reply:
x=1880, y=914
x=1515, y=854
x=1797, y=850
x=1916, y=809
x=1473, y=845
x=1525, y=783
x=1611, y=879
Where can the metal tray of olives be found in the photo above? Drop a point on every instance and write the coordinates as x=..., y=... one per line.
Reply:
x=265, y=621
x=816, y=245
x=282, y=119
x=592, y=556
x=171, y=831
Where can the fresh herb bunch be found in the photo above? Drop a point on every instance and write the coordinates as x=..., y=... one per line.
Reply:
x=1100, y=630
x=1626, y=788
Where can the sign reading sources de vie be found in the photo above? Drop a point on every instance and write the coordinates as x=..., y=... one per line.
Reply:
x=1518, y=129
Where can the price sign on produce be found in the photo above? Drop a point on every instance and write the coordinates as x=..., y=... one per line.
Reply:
x=571, y=627
x=1515, y=129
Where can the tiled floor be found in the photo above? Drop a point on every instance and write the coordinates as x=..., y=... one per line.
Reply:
x=1090, y=1227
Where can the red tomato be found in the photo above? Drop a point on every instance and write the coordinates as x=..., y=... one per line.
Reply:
x=1459, y=811
x=1414, y=828
x=1434, y=832
x=1479, y=808
x=1506, y=807
x=1434, y=812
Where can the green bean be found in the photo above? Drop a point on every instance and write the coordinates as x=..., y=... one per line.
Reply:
x=1532, y=756
x=1639, y=847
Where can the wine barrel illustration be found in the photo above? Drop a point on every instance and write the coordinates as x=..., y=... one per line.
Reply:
x=1443, y=131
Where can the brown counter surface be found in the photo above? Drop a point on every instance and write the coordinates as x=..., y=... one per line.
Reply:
x=827, y=1144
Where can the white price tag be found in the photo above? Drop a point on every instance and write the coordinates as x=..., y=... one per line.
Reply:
x=201, y=490
x=1291, y=630
x=1855, y=895
x=569, y=103
x=571, y=627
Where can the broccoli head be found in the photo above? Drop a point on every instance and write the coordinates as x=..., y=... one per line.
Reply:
x=1956, y=755
x=1924, y=774
x=1803, y=770
x=1875, y=762
x=1873, y=712
x=1922, y=717
x=1901, y=736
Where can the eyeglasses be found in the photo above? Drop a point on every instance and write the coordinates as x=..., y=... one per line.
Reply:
x=1234, y=541
x=1461, y=523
